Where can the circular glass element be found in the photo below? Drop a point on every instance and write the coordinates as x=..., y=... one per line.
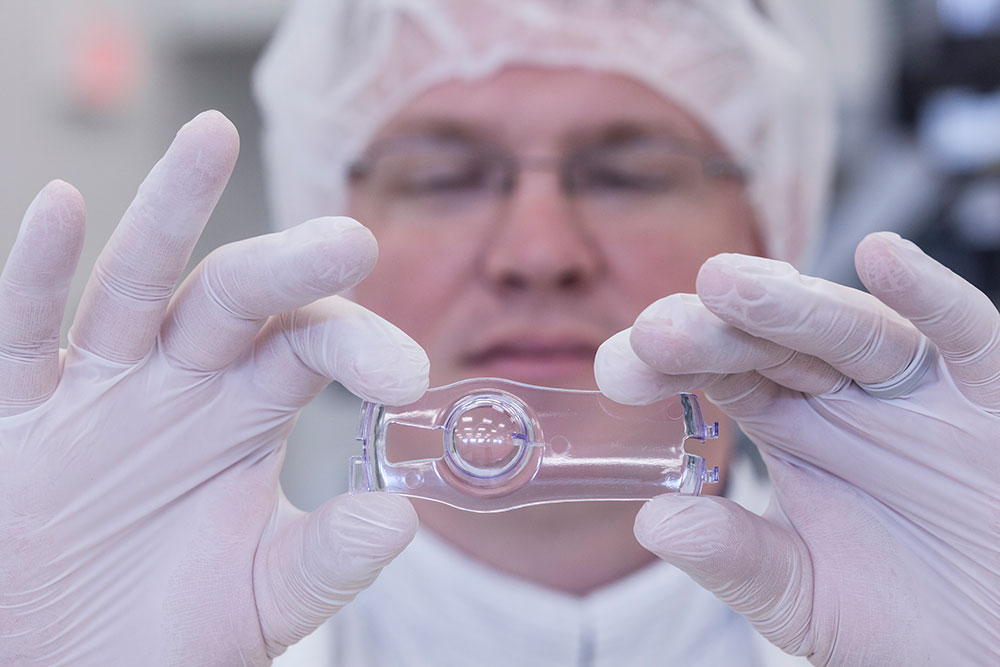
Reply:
x=488, y=438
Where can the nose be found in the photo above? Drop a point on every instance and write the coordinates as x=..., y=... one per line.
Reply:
x=539, y=243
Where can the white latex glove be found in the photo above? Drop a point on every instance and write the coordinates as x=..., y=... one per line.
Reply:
x=141, y=522
x=882, y=542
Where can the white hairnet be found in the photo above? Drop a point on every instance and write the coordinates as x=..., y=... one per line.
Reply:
x=337, y=70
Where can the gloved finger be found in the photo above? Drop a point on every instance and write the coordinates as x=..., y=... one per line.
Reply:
x=622, y=376
x=298, y=353
x=957, y=317
x=135, y=275
x=320, y=561
x=225, y=301
x=760, y=568
x=850, y=330
x=33, y=289
x=678, y=335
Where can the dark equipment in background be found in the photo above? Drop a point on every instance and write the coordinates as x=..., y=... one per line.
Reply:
x=948, y=96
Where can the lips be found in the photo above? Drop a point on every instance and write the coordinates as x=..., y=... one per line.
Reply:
x=539, y=352
x=557, y=360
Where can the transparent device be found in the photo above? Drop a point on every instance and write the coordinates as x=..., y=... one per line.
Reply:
x=489, y=445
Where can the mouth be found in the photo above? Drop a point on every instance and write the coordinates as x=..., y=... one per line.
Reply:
x=545, y=362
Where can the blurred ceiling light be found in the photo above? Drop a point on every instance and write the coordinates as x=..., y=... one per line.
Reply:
x=960, y=130
x=969, y=18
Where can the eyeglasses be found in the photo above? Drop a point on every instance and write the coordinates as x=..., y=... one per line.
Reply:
x=460, y=181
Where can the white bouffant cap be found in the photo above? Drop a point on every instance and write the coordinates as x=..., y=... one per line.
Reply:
x=337, y=70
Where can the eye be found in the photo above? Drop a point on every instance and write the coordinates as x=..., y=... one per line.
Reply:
x=634, y=170
x=422, y=175
x=631, y=179
x=452, y=179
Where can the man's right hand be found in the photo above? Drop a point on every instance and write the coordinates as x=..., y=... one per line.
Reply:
x=141, y=521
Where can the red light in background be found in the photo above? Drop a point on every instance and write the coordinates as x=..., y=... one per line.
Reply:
x=106, y=63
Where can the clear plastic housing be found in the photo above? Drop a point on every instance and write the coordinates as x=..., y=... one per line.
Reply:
x=489, y=445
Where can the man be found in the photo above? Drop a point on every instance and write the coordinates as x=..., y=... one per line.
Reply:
x=141, y=514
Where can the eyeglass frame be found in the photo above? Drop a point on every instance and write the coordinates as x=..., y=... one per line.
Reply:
x=714, y=165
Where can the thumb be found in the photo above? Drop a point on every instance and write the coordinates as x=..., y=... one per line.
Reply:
x=757, y=566
x=321, y=560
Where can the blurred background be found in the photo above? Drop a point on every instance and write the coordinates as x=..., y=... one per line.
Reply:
x=93, y=91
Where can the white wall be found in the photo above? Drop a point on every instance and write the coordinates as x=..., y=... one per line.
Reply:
x=194, y=54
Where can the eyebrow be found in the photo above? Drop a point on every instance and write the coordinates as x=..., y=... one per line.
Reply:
x=607, y=134
x=438, y=128
x=624, y=131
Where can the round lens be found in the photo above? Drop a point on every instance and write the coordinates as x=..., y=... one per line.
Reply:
x=488, y=438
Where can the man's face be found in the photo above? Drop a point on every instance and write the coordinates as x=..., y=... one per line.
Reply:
x=527, y=281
